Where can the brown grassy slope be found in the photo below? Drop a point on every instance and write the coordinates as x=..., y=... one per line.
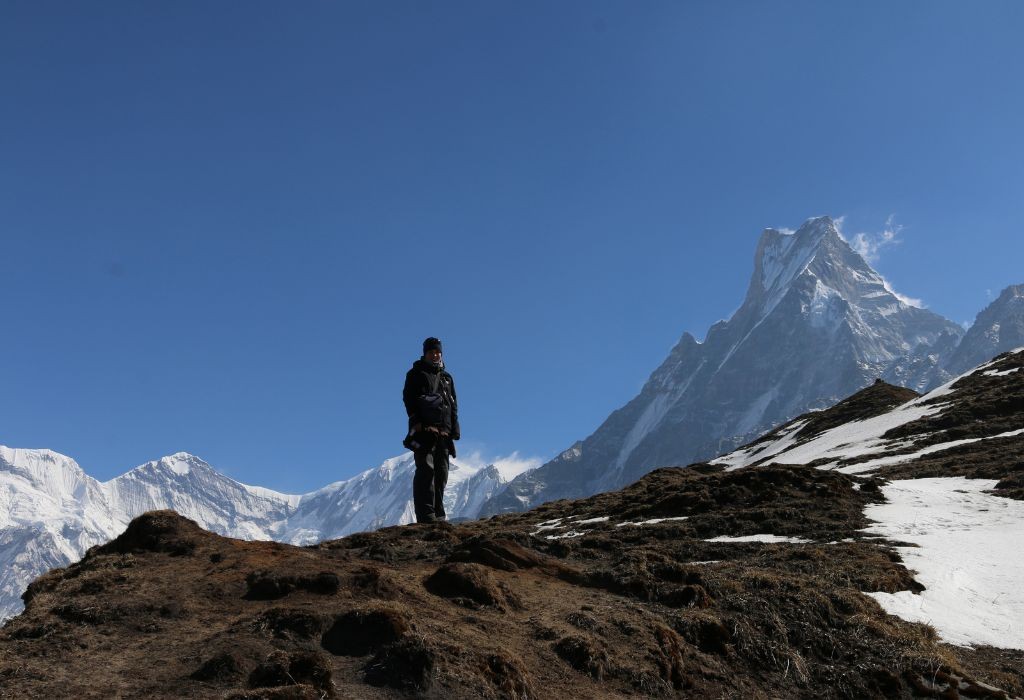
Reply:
x=988, y=402
x=982, y=405
x=494, y=609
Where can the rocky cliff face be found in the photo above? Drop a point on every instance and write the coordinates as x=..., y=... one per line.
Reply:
x=1000, y=327
x=817, y=324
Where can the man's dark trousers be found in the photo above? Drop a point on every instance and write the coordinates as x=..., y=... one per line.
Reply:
x=429, y=482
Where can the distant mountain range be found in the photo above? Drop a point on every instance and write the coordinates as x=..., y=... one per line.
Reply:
x=817, y=324
x=51, y=511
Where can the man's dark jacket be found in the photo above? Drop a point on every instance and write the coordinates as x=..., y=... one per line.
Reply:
x=419, y=381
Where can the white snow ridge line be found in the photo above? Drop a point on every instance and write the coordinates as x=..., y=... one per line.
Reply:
x=567, y=535
x=873, y=464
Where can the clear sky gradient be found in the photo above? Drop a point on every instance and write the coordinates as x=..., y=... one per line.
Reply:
x=226, y=227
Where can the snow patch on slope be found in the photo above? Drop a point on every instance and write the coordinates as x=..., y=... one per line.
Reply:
x=997, y=373
x=871, y=465
x=856, y=438
x=764, y=538
x=762, y=450
x=968, y=557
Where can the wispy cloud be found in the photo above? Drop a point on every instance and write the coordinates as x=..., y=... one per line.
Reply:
x=509, y=466
x=909, y=301
x=869, y=244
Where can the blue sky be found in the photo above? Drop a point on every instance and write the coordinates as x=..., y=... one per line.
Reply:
x=225, y=228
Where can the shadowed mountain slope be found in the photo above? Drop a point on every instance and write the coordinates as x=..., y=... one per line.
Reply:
x=998, y=328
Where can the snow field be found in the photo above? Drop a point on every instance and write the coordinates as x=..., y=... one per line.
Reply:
x=968, y=557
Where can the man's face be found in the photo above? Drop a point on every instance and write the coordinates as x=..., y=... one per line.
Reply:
x=434, y=355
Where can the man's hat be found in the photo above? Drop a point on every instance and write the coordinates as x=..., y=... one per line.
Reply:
x=431, y=344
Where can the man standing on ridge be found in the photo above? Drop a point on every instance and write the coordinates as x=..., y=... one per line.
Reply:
x=433, y=411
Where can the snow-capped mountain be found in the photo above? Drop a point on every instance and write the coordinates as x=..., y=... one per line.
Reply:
x=380, y=497
x=51, y=511
x=817, y=324
x=190, y=486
